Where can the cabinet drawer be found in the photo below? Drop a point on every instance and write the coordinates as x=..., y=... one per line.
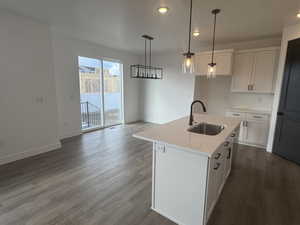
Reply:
x=257, y=116
x=236, y=114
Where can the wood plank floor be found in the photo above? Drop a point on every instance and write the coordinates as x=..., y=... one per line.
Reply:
x=104, y=178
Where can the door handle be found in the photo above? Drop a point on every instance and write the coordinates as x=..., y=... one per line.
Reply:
x=229, y=153
x=280, y=114
x=217, y=166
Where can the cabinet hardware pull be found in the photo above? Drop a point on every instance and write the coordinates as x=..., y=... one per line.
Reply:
x=217, y=166
x=218, y=156
x=259, y=117
x=226, y=143
x=236, y=114
x=229, y=153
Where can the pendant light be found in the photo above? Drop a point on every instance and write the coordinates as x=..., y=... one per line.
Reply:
x=212, y=67
x=146, y=71
x=188, y=61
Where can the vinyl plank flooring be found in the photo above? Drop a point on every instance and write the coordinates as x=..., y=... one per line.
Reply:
x=104, y=178
x=262, y=189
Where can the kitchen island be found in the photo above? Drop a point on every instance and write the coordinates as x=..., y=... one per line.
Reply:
x=190, y=169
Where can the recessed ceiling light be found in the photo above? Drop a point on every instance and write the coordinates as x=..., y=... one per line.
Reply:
x=298, y=14
x=196, y=33
x=163, y=10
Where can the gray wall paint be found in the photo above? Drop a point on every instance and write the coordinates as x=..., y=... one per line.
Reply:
x=218, y=98
x=39, y=87
x=65, y=52
x=27, y=89
x=168, y=99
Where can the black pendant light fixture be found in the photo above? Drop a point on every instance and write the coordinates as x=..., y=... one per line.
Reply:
x=146, y=71
x=212, y=67
x=188, y=61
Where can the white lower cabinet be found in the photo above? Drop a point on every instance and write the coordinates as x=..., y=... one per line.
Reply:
x=179, y=185
x=256, y=133
x=186, y=185
x=254, y=129
x=219, y=170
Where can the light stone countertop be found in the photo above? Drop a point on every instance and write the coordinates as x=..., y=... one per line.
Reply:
x=175, y=133
x=250, y=110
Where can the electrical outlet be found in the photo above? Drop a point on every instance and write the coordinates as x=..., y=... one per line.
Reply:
x=39, y=99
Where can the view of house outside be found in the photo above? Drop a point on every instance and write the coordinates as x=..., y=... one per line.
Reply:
x=91, y=91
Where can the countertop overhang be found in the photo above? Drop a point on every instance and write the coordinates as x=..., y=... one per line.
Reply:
x=176, y=133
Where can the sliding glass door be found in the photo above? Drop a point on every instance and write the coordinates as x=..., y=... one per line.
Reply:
x=100, y=92
x=112, y=72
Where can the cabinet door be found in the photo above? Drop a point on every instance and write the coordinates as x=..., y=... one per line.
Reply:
x=256, y=133
x=228, y=150
x=180, y=184
x=215, y=179
x=243, y=66
x=241, y=136
x=212, y=192
x=262, y=79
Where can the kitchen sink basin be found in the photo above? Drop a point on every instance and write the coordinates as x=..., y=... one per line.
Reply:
x=206, y=129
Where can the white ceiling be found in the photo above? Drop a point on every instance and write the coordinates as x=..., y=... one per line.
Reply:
x=120, y=23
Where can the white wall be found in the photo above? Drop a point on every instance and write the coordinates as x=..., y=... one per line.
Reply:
x=217, y=96
x=168, y=99
x=289, y=33
x=216, y=92
x=28, y=111
x=66, y=51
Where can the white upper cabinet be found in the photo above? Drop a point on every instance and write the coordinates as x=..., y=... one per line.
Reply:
x=254, y=70
x=264, y=71
x=222, y=58
x=243, y=66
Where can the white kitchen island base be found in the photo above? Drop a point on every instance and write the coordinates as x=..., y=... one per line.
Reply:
x=178, y=184
x=186, y=183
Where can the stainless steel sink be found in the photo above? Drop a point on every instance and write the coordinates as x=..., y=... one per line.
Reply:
x=206, y=128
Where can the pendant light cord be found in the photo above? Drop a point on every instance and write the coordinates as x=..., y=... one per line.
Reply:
x=190, y=26
x=214, y=37
x=150, y=55
x=145, y=52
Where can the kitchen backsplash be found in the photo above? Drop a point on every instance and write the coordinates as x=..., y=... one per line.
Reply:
x=217, y=96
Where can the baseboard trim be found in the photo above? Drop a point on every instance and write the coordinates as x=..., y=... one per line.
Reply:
x=253, y=145
x=70, y=135
x=29, y=153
